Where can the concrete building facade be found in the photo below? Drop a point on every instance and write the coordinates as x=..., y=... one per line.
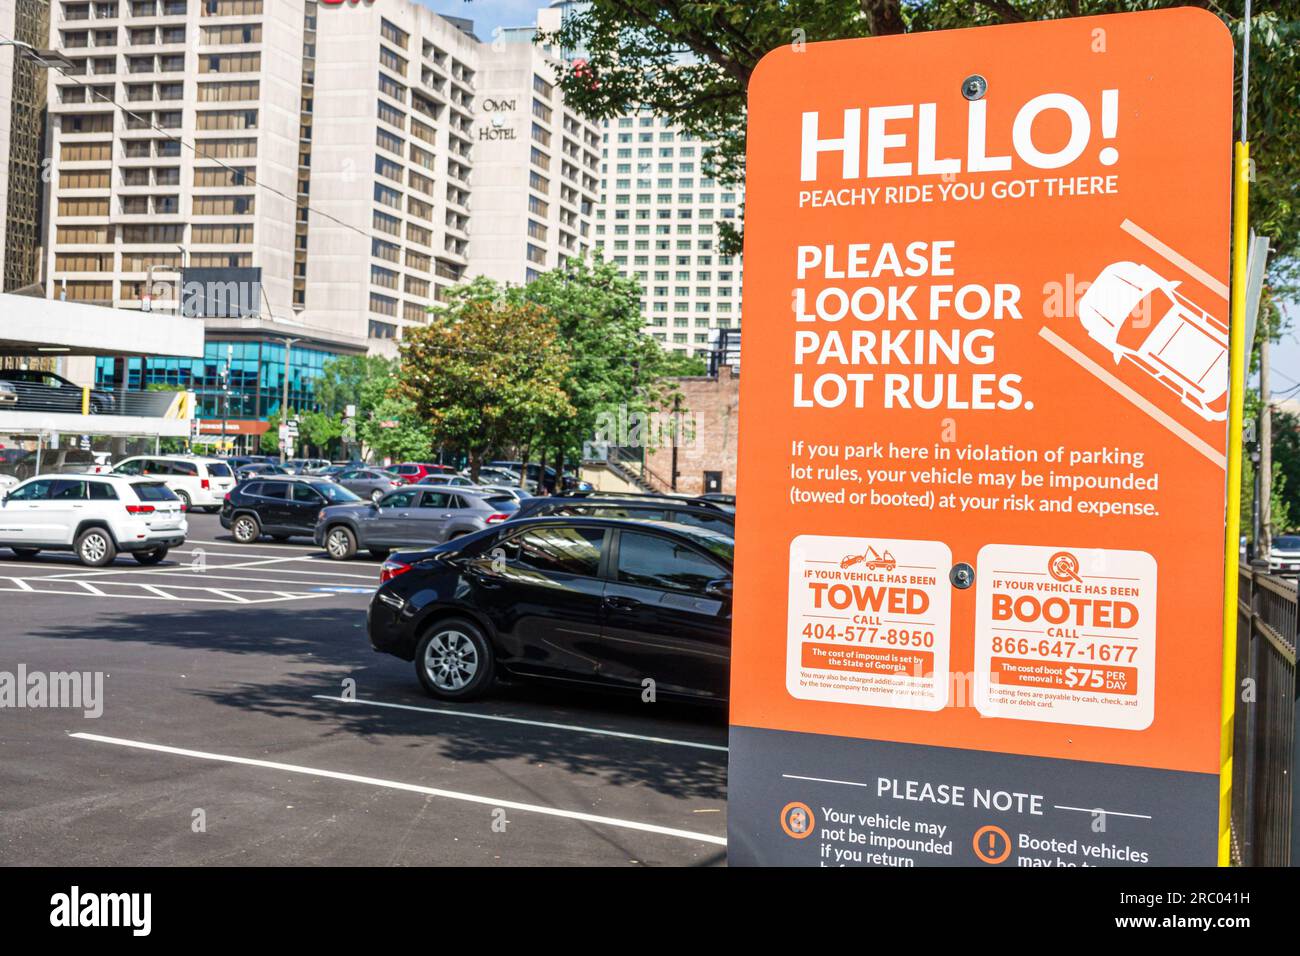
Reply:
x=660, y=221
x=22, y=133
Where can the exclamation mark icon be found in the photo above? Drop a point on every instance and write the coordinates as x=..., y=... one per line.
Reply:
x=1109, y=125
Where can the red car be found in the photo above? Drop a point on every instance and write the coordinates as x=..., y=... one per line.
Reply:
x=415, y=472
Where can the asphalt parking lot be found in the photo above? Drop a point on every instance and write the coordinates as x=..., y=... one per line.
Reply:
x=247, y=721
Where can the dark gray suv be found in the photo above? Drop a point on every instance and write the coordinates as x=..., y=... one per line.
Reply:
x=414, y=516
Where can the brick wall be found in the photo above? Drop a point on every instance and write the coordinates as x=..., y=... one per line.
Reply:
x=714, y=404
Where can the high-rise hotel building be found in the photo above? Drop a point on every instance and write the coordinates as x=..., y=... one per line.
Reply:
x=660, y=221
x=22, y=127
x=362, y=157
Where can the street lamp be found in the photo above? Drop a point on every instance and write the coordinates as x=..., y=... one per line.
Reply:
x=284, y=398
x=46, y=58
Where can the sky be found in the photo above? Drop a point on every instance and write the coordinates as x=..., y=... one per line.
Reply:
x=489, y=14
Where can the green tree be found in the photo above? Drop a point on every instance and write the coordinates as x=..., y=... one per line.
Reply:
x=485, y=373
x=692, y=61
x=391, y=427
x=354, y=380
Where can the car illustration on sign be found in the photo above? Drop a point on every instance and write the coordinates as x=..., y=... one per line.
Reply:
x=1139, y=315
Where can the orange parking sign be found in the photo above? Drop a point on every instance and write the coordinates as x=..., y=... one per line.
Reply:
x=982, y=450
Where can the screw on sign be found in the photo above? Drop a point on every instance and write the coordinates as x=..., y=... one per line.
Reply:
x=1048, y=482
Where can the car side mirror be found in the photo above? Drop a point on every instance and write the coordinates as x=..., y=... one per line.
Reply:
x=720, y=588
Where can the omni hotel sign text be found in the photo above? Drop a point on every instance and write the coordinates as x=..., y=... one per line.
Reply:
x=497, y=129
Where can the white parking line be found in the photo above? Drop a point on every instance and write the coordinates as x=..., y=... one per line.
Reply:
x=531, y=723
x=156, y=593
x=410, y=788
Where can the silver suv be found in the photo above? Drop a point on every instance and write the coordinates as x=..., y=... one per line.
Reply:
x=414, y=516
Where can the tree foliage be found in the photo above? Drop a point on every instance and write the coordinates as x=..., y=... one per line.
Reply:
x=485, y=373
x=692, y=61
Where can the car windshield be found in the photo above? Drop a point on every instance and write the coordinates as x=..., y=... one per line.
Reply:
x=335, y=494
x=1287, y=542
x=153, y=491
x=218, y=470
x=502, y=502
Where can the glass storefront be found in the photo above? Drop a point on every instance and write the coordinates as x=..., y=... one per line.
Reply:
x=256, y=376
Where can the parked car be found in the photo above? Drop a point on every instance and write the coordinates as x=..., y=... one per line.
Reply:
x=414, y=516
x=534, y=473
x=280, y=506
x=719, y=498
x=591, y=601
x=306, y=466
x=95, y=516
x=689, y=511
x=258, y=469
x=513, y=491
x=8, y=395
x=199, y=483
x=1284, y=555
x=372, y=483
x=38, y=389
x=418, y=472
x=55, y=461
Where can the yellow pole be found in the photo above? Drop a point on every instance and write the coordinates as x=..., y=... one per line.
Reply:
x=1236, y=387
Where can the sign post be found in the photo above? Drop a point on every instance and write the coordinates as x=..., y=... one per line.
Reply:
x=982, y=469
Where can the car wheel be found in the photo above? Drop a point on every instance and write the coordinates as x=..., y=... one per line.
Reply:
x=185, y=500
x=376, y=495
x=246, y=529
x=95, y=547
x=340, y=543
x=26, y=554
x=380, y=553
x=150, y=557
x=454, y=660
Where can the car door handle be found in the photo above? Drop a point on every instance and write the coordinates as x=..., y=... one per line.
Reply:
x=619, y=603
x=486, y=581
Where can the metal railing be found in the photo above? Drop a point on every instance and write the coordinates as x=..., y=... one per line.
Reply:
x=65, y=399
x=1265, y=830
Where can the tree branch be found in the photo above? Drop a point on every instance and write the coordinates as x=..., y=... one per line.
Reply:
x=884, y=17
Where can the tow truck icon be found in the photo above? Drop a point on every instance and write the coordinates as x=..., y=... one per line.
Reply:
x=871, y=559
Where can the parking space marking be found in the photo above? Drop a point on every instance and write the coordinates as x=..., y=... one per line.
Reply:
x=408, y=787
x=151, y=592
x=530, y=723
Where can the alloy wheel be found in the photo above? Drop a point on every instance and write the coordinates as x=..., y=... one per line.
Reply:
x=451, y=660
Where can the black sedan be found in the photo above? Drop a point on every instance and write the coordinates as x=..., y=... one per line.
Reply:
x=633, y=606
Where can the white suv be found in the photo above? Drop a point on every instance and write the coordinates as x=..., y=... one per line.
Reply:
x=199, y=482
x=94, y=515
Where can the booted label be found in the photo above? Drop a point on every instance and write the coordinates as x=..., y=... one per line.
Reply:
x=869, y=621
x=1066, y=636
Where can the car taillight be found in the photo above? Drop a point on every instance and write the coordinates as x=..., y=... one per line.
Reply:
x=227, y=497
x=496, y=518
x=391, y=569
x=139, y=509
x=205, y=484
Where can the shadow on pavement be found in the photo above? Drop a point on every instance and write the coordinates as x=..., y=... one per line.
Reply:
x=316, y=650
